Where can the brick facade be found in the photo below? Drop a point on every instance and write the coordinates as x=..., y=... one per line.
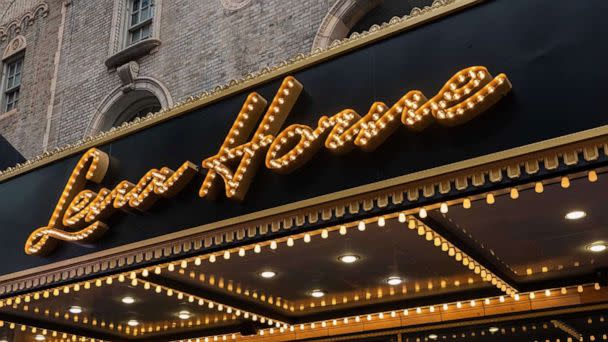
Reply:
x=203, y=44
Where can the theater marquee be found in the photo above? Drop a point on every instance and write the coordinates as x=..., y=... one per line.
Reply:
x=80, y=212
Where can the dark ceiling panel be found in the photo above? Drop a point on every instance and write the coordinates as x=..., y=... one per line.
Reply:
x=393, y=250
x=532, y=234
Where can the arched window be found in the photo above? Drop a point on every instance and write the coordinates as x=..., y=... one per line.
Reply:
x=134, y=104
x=12, y=71
x=144, y=95
x=347, y=16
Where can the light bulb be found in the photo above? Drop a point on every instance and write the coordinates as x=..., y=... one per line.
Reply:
x=317, y=293
x=349, y=258
x=394, y=280
x=267, y=274
x=575, y=215
x=128, y=300
x=75, y=309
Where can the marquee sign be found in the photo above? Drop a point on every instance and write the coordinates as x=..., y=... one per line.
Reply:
x=80, y=213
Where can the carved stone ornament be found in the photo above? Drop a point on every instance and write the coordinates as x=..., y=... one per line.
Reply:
x=132, y=52
x=16, y=45
x=18, y=25
x=127, y=74
x=233, y=5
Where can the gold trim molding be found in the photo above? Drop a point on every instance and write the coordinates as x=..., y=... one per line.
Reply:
x=418, y=16
x=567, y=151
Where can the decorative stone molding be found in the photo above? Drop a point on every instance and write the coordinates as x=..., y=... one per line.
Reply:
x=101, y=120
x=233, y=5
x=340, y=19
x=19, y=25
x=16, y=45
x=132, y=52
x=127, y=74
x=119, y=51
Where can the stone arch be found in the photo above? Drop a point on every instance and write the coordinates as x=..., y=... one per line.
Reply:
x=15, y=46
x=126, y=103
x=340, y=19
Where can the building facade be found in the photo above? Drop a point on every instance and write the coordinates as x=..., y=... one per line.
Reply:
x=86, y=66
x=441, y=177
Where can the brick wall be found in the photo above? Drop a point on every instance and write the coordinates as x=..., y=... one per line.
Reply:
x=203, y=45
x=24, y=128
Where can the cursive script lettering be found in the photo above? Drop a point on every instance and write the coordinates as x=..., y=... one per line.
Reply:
x=80, y=212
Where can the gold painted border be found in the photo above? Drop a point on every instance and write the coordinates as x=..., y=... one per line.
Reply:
x=591, y=142
x=417, y=17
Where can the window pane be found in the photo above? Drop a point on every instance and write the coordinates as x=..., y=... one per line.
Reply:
x=134, y=19
x=135, y=6
x=10, y=82
x=145, y=13
x=17, y=80
x=145, y=32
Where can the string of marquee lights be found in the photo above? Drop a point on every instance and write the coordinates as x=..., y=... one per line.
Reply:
x=484, y=304
x=232, y=312
x=141, y=329
x=378, y=292
x=46, y=334
x=237, y=288
x=25, y=301
x=570, y=157
x=490, y=198
x=406, y=217
x=148, y=285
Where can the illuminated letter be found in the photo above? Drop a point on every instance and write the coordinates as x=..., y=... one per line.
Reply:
x=79, y=207
x=295, y=146
x=246, y=156
x=91, y=167
x=464, y=96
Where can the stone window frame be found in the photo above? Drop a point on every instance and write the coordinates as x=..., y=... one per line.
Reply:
x=120, y=49
x=14, y=52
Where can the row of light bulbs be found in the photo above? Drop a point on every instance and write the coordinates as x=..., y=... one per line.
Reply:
x=403, y=314
x=381, y=221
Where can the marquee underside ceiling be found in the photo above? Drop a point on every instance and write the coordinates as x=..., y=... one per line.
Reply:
x=505, y=260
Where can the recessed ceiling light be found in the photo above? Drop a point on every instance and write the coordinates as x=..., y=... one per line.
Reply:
x=493, y=329
x=39, y=338
x=3, y=340
x=75, y=309
x=183, y=314
x=133, y=323
x=128, y=300
x=348, y=258
x=394, y=280
x=268, y=274
x=317, y=293
x=575, y=215
x=433, y=336
x=597, y=247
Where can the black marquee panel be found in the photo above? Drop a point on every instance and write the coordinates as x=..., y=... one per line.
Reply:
x=556, y=66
